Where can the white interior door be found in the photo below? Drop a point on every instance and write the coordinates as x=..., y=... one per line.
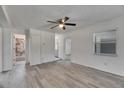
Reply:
x=35, y=50
x=68, y=47
x=0, y=50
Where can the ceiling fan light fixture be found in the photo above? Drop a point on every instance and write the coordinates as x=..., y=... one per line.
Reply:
x=61, y=25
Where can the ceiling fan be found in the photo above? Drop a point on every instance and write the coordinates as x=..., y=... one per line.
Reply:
x=61, y=23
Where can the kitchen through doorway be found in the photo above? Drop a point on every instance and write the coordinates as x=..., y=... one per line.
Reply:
x=19, y=48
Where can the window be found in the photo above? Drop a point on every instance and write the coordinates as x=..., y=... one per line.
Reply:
x=105, y=43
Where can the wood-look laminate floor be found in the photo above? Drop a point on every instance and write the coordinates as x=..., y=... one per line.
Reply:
x=58, y=74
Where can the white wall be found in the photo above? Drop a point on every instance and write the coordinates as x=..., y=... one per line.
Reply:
x=18, y=31
x=47, y=46
x=46, y=49
x=0, y=50
x=83, y=52
x=34, y=47
x=7, y=49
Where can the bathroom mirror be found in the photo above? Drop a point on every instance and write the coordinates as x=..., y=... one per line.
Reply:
x=105, y=43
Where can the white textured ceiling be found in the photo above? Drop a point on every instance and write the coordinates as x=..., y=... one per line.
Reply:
x=3, y=20
x=35, y=16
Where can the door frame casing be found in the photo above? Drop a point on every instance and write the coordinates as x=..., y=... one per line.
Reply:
x=1, y=50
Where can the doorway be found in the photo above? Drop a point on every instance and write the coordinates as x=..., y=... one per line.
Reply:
x=68, y=49
x=19, y=48
x=56, y=46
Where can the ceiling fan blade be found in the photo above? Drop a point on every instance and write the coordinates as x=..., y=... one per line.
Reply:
x=51, y=22
x=70, y=24
x=54, y=26
x=65, y=19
